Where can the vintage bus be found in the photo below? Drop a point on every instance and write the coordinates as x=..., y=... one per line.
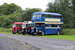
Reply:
x=46, y=23
x=16, y=27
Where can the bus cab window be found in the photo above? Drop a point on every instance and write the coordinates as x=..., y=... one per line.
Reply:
x=42, y=25
x=37, y=25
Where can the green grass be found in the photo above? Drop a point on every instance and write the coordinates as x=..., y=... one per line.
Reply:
x=5, y=29
x=64, y=37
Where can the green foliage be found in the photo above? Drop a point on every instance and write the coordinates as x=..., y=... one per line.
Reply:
x=2, y=7
x=10, y=8
x=5, y=29
x=68, y=31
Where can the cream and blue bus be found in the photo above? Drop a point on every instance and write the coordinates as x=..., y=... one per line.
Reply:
x=46, y=23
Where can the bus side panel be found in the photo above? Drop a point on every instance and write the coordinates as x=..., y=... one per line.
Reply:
x=52, y=30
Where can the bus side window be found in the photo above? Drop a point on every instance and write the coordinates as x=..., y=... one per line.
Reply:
x=56, y=16
x=55, y=26
x=43, y=15
x=46, y=15
x=58, y=25
x=53, y=16
x=47, y=25
x=60, y=16
x=52, y=25
x=49, y=15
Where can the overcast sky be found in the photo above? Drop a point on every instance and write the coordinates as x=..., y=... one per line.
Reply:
x=28, y=3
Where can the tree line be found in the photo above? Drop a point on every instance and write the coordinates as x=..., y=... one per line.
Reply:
x=10, y=13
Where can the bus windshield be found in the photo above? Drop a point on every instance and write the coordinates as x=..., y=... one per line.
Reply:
x=18, y=25
x=27, y=25
x=39, y=25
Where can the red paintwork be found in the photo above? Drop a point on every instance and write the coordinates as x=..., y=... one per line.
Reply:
x=28, y=28
x=14, y=29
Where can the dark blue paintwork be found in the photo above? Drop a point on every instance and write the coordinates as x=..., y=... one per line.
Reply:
x=49, y=30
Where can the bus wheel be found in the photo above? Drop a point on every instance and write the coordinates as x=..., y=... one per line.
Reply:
x=14, y=33
x=24, y=33
x=19, y=32
x=42, y=33
x=33, y=34
x=58, y=32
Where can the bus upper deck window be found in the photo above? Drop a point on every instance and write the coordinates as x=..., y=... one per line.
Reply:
x=56, y=17
x=43, y=15
x=53, y=16
x=59, y=16
x=46, y=15
x=34, y=15
x=49, y=16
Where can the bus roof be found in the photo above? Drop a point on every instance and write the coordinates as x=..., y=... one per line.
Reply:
x=18, y=23
x=49, y=13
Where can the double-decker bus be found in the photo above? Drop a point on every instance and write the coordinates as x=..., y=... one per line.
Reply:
x=46, y=23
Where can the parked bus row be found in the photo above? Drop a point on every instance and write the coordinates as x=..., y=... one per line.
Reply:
x=43, y=23
x=21, y=27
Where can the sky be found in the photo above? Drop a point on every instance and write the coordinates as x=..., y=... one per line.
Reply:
x=29, y=3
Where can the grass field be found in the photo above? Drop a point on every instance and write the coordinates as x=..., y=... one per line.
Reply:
x=69, y=34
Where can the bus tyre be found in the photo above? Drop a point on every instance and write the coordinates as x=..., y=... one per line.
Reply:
x=58, y=32
x=33, y=34
x=24, y=33
x=14, y=33
x=42, y=33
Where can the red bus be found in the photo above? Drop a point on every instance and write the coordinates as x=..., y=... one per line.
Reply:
x=16, y=27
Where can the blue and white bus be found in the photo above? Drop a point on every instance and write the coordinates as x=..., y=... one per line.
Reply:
x=46, y=23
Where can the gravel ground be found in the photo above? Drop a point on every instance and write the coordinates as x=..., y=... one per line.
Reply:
x=11, y=44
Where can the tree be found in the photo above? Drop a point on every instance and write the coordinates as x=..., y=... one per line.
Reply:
x=2, y=7
x=10, y=8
